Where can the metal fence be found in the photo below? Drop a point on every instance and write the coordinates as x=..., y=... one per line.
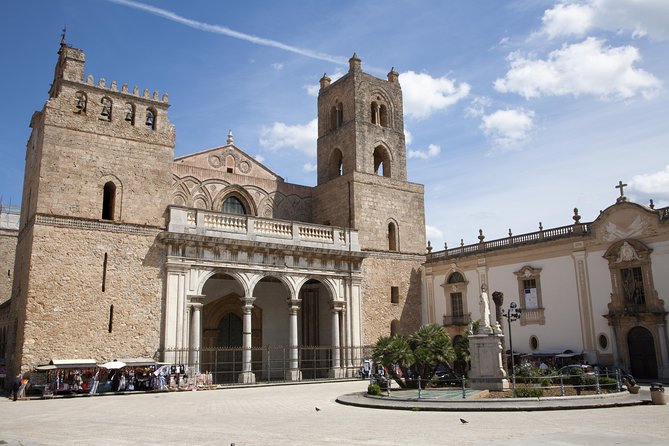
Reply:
x=268, y=363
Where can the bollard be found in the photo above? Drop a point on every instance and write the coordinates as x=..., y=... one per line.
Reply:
x=561, y=385
x=618, y=385
x=657, y=394
x=464, y=392
x=597, y=389
x=419, y=388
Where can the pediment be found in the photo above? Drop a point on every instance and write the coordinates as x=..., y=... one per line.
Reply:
x=625, y=221
x=228, y=159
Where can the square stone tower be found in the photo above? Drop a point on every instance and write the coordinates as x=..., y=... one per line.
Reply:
x=88, y=279
x=362, y=184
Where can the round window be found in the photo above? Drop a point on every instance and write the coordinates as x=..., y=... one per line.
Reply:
x=534, y=342
x=603, y=341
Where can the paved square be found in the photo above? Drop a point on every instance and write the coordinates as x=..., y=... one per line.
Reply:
x=286, y=415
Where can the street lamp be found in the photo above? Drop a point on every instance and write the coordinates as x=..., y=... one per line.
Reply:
x=512, y=314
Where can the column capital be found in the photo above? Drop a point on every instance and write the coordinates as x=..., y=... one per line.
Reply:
x=294, y=304
x=337, y=305
x=247, y=301
x=196, y=298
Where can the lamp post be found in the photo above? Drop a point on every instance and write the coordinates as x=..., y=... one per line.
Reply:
x=512, y=314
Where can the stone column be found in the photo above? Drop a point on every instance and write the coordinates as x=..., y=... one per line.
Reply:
x=336, y=370
x=247, y=376
x=293, y=373
x=195, y=332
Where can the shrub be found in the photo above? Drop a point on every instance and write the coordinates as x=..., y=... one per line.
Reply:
x=546, y=382
x=529, y=392
x=607, y=381
x=374, y=389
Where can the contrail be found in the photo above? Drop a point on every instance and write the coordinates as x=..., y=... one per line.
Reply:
x=218, y=29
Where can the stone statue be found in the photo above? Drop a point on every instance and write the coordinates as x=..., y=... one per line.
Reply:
x=484, y=307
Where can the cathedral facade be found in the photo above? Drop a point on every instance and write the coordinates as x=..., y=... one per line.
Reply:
x=125, y=251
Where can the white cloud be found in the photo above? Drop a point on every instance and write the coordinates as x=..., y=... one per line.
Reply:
x=296, y=137
x=313, y=89
x=582, y=68
x=425, y=95
x=654, y=185
x=477, y=107
x=277, y=66
x=567, y=19
x=576, y=18
x=508, y=129
x=309, y=167
x=408, y=137
x=432, y=151
x=433, y=233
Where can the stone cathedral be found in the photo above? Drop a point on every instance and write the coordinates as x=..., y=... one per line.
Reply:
x=125, y=251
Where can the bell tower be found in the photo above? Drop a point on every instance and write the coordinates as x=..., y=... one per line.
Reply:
x=362, y=184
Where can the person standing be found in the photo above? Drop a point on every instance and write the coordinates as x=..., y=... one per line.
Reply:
x=16, y=385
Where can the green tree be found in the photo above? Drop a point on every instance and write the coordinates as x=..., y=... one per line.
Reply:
x=416, y=355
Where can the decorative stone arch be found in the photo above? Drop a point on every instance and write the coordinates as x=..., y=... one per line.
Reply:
x=385, y=109
x=111, y=209
x=335, y=164
x=179, y=198
x=632, y=277
x=238, y=192
x=242, y=279
x=383, y=159
x=287, y=283
x=393, y=234
x=106, y=107
x=329, y=285
x=336, y=114
x=455, y=296
x=129, y=113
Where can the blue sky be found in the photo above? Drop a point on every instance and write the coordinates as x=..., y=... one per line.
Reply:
x=516, y=111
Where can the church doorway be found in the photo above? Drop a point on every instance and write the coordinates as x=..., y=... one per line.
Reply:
x=642, y=353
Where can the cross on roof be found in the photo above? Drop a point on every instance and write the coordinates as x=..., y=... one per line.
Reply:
x=620, y=186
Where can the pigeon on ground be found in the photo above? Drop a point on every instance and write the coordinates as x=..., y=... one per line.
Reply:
x=463, y=421
x=318, y=409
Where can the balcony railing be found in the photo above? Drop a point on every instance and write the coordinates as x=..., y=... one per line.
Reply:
x=534, y=316
x=463, y=319
x=267, y=230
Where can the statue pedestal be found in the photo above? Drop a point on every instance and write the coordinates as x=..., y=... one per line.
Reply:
x=486, y=358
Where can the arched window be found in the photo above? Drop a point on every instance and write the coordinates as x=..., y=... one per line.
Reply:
x=456, y=277
x=394, y=327
x=336, y=167
x=230, y=164
x=108, y=201
x=233, y=205
x=106, y=112
x=392, y=237
x=381, y=162
x=151, y=118
x=82, y=100
x=336, y=116
x=130, y=113
x=375, y=113
x=383, y=115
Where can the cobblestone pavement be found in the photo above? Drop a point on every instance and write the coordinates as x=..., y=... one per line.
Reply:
x=287, y=415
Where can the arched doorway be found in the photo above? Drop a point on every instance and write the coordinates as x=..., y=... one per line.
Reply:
x=642, y=353
x=315, y=330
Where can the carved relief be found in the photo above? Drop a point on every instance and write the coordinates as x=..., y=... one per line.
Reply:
x=627, y=253
x=613, y=232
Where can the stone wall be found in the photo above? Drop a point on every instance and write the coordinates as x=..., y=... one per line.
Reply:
x=7, y=253
x=67, y=314
x=381, y=272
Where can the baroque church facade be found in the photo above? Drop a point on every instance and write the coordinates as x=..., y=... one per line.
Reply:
x=125, y=251
x=591, y=291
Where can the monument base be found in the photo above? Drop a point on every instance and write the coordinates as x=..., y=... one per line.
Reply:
x=487, y=372
x=293, y=375
x=246, y=378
